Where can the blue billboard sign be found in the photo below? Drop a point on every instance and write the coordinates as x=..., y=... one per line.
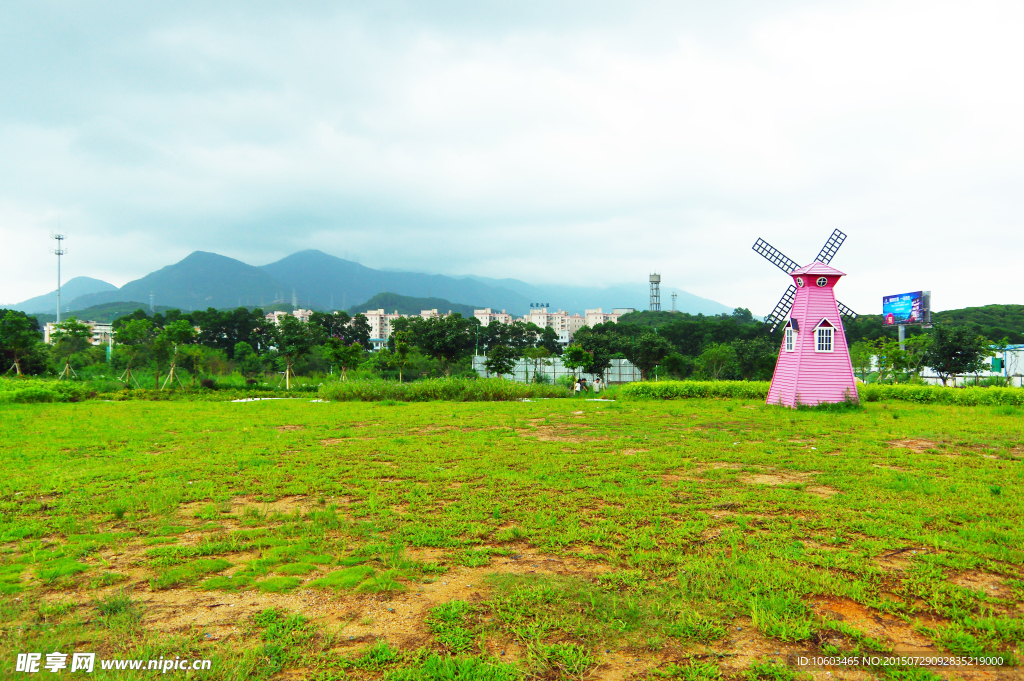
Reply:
x=906, y=308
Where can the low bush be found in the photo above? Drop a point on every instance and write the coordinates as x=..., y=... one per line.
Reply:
x=439, y=389
x=679, y=390
x=925, y=394
x=936, y=394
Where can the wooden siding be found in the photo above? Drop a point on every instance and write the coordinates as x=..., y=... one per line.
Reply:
x=805, y=376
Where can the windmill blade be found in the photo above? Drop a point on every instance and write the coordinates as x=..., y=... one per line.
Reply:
x=781, y=311
x=845, y=311
x=774, y=256
x=830, y=247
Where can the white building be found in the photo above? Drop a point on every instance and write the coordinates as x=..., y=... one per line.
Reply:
x=101, y=332
x=486, y=316
x=380, y=326
x=595, y=317
x=564, y=324
x=300, y=314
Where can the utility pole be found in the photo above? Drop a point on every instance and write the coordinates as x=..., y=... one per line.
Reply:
x=58, y=251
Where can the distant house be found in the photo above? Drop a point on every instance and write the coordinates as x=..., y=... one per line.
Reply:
x=101, y=332
x=300, y=314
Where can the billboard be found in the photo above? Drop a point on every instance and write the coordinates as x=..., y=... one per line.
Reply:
x=907, y=308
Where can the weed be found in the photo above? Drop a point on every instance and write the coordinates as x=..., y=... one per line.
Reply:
x=448, y=624
x=781, y=616
x=348, y=578
x=568, y=659
x=693, y=671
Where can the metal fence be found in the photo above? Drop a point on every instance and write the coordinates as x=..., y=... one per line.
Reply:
x=526, y=370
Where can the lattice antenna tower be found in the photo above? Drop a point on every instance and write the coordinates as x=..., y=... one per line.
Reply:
x=674, y=296
x=59, y=250
x=655, y=280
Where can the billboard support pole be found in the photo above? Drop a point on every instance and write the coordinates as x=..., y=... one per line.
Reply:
x=903, y=336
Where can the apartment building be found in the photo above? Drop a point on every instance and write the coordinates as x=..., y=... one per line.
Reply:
x=486, y=316
x=595, y=317
x=300, y=314
x=101, y=332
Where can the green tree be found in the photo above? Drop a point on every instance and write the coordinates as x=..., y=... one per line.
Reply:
x=18, y=336
x=358, y=331
x=400, y=354
x=446, y=339
x=294, y=339
x=246, y=359
x=501, y=360
x=346, y=356
x=601, y=346
x=538, y=357
x=716, y=360
x=69, y=337
x=134, y=335
x=577, y=358
x=174, y=335
x=957, y=350
x=646, y=351
x=678, y=365
x=755, y=359
x=860, y=357
x=549, y=340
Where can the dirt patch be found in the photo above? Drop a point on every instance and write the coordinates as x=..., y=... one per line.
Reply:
x=982, y=581
x=917, y=446
x=553, y=434
x=899, y=634
x=331, y=441
x=822, y=491
x=285, y=429
x=632, y=452
x=236, y=507
x=359, y=618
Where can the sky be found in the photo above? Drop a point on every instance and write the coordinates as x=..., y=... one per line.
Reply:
x=584, y=143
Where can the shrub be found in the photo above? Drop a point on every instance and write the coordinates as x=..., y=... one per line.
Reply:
x=439, y=389
x=677, y=390
x=934, y=394
x=924, y=394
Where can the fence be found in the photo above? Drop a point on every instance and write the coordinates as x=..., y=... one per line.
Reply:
x=526, y=370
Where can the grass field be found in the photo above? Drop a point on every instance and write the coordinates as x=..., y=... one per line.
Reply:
x=689, y=539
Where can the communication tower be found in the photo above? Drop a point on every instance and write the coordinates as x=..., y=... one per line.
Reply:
x=674, y=296
x=655, y=280
x=58, y=251
x=152, y=307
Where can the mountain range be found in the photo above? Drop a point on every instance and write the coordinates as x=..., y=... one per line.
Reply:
x=324, y=282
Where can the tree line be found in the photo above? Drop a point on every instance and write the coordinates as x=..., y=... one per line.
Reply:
x=730, y=346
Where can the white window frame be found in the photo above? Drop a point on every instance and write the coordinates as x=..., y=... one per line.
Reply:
x=800, y=282
x=824, y=331
x=789, y=342
x=822, y=281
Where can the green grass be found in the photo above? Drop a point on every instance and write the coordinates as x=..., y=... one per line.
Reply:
x=652, y=529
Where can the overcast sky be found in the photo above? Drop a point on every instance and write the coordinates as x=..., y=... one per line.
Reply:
x=575, y=142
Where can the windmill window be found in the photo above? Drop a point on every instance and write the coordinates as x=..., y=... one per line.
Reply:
x=822, y=281
x=800, y=282
x=824, y=337
x=789, y=339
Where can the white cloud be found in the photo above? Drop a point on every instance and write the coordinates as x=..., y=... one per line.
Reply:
x=559, y=145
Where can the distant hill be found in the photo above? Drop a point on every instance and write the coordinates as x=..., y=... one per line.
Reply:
x=995, y=322
x=199, y=281
x=390, y=302
x=104, y=312
x=580, y=298
x=324, y=282
x=69, y=290
x=328, y=282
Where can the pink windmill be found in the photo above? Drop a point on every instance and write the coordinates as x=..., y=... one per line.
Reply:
x=814, y=361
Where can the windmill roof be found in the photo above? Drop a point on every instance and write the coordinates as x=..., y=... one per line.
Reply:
x=818, y=268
